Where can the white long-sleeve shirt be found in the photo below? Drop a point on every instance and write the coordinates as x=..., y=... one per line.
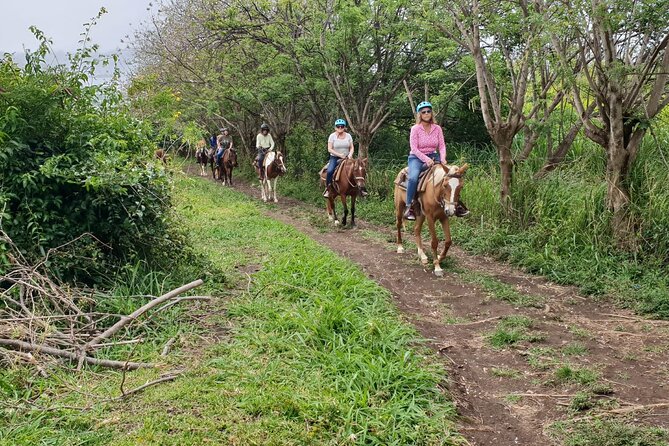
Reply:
x=265, y=141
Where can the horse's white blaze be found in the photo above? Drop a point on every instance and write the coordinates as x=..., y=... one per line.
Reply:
x=400, y=249
x=453, y=184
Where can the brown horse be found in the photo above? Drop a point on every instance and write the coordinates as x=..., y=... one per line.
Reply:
x=201, y=156
x=211, y=159
x=438, y=202
x=352, y=181
x=273, y=168
x=161, y=155
x=228, y=162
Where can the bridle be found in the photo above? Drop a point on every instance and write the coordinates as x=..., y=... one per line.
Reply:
x=362, y=179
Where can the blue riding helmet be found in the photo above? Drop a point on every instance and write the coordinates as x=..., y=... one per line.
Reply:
x=340, y=122
x=422, y=105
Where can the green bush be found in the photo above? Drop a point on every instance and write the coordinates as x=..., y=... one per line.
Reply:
x=73, y=161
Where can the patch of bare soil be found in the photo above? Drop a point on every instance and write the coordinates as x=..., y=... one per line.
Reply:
x=509, y=395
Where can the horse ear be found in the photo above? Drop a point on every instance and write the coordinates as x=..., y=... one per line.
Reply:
x=463, y=168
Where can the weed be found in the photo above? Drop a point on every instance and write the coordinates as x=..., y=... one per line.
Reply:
x=505, y=373
x=583, y=376
x=598, y=432
x=574, y=349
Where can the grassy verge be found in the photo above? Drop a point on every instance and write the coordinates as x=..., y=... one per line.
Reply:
x=315, y=353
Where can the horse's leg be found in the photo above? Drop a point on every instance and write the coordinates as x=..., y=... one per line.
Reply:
x=353, y=211
x=399, y=210
x=419, y=243
x=328, y=208
x=230, y=177
x=343, y=202
x=435, y=247
x=275, y=180
x=263, y=187
x=447, y=238
x=333, y=206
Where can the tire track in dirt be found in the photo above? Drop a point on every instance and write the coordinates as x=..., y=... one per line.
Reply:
x=627, y=353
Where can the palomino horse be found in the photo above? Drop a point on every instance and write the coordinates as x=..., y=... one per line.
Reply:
x=438, y=201
x=228, y=162
x=273, y=168
x=351, y=182
x=201, y=156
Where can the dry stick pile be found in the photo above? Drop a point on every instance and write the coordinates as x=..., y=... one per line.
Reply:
x=41, y=319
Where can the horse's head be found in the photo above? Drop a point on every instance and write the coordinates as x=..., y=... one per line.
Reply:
x=451, y=186
x=360, y=175
x=281, y=167
x=233, y=157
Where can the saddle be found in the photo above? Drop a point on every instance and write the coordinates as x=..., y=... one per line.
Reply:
x=402, y=176
x=337, y=173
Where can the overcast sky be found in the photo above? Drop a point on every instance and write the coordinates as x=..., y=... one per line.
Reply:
x=62, y=21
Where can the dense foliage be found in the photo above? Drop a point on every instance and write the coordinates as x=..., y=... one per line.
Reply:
x=73, y=161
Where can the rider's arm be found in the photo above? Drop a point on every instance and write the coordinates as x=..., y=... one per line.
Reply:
x=350, y=147
x=271, y=142
x=413, y=143
x=258, y=141
x=442, y=146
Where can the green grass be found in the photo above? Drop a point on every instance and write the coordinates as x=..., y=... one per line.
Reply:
x=315, y=354
x=597, y=432
x=512, y=330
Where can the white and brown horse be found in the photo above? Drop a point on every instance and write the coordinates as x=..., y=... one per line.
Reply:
x=273, y=168
x=201, y=156
x=228, y=162
x=351, y=181
x=438, y=202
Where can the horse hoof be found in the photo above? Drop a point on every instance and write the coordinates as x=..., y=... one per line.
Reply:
x=336, y=222
x=439, y=273
x=276, y=201
x=400, y=250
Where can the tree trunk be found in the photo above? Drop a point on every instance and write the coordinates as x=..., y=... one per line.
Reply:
x=364, y=141
x=556, y=157
x=506, y=170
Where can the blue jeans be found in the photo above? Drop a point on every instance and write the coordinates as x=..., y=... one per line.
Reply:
x=416, y=166
x=332, y=165
x=219, y=155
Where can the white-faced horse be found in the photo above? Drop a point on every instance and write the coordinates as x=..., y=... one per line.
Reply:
x=438, y=202
x=273, y=168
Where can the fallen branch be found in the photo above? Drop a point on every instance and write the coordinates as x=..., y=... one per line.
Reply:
x=167, y=347
x=125, y=320
x=623, y=410
x=126, y=365
x=149, y=384
x=181, y=299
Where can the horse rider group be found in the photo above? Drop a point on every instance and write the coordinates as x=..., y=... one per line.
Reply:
x=426, y=141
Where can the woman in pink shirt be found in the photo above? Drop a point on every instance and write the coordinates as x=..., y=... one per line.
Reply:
x=427, y=147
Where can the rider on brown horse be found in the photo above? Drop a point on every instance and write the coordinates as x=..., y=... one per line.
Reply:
x=340, y=147
x=427, y=147
x=223, y=143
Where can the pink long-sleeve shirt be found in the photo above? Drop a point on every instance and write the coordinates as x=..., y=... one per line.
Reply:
x=423, y=143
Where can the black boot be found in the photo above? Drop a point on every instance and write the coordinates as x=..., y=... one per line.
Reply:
x=461, y=210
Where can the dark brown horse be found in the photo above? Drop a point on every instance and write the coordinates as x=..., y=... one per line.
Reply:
x=161, y=155
x=352, y=182
x=228, y=162
x=438, y=201
x=273, y=168
x=211, y=159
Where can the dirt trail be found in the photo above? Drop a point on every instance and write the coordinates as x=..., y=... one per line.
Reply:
x=510, y=395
